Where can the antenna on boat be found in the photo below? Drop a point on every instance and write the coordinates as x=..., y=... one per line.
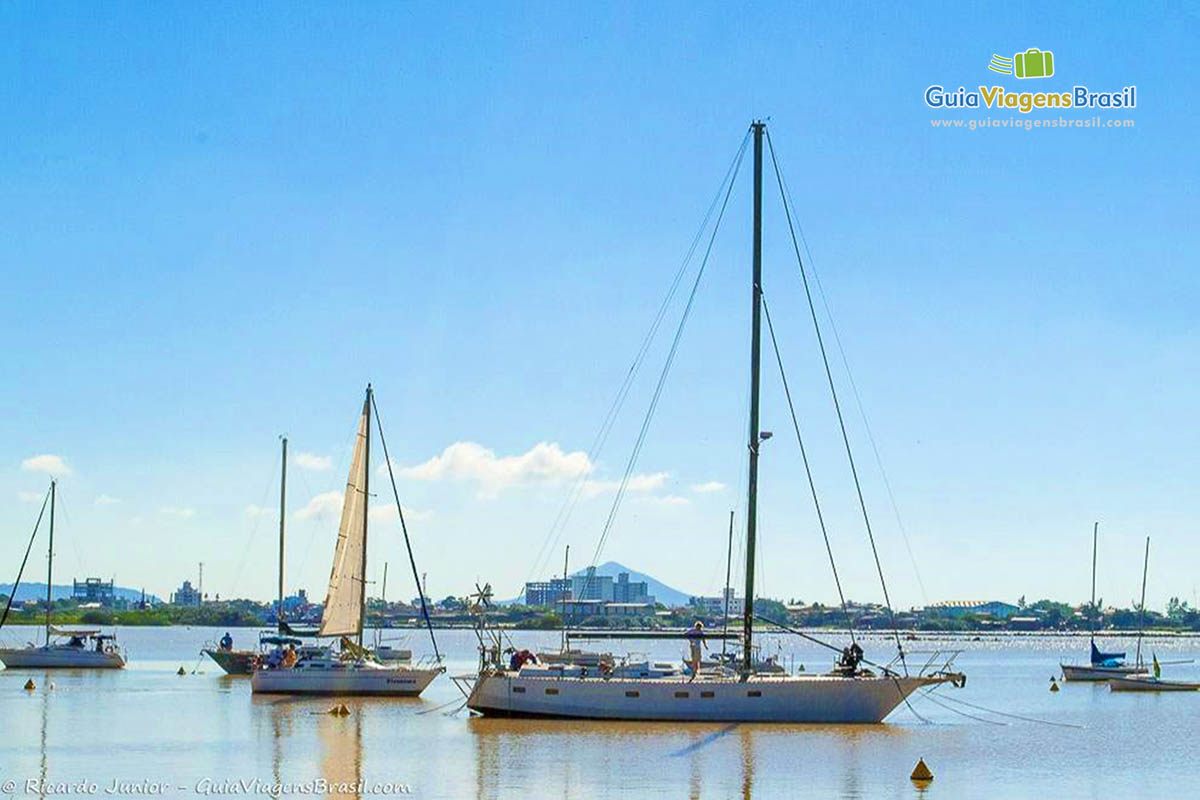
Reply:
x=755, y=337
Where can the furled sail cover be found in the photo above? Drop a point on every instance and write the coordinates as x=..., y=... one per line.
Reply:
x=343, y=604
x=1108, y=659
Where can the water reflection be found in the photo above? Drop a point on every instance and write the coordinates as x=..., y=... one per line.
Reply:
x=563, y=757
x=339, y=738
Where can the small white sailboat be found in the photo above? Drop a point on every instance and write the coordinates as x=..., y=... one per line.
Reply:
x=62, y=648
x=849, y=694
x=1102, y=666
x=350, y=669
x=1153, y=682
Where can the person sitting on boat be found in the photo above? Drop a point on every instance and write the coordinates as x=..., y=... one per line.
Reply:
x=520, y=658
x=695, y=638
x=274, y=658
x=227, y=642
x=852, y=656
x=289, y=658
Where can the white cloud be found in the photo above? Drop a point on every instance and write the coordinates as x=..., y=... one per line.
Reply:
x=178, y=511
x=53, y=465
x=544, y=463
x=313, y=461
x=106, y=500
x=321, y=506
x=254, y=511
x=641, y=482
x=387, y=511
x=672, y=500
x=710, y=486
x=30, y=497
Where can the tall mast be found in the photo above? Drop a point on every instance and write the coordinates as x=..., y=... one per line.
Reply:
x=282, y=522
x=50, y=563
x=728, y=572
x=1142, y=606
x=755, y=336
x=1095, y=614
x=366, y=490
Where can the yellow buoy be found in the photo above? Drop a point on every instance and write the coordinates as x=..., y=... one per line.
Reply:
x=1053, y=685
x=340, y=710
x=921, y=772
x=30, y=685
x=181, y=671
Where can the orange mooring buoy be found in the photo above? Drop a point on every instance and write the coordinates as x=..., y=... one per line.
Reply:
x=921, y=773
x=30, y=685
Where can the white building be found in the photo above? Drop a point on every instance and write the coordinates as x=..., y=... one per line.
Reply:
x=715, y=606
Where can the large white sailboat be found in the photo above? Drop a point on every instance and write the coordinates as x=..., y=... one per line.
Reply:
x=62, y=648
x=851, y=693
x=350, y=668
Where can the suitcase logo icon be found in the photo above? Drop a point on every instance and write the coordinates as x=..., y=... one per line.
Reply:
x=1033, y=63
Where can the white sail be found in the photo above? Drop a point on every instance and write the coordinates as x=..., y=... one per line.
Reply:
x=343, y=603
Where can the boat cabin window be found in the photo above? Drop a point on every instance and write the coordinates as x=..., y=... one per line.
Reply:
x=681, y=694
x=552, y=691
x=706, y=694
x=754, y=693
x=519, y=690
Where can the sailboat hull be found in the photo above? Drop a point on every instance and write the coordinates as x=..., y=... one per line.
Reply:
x=802, y=699
x=383, y=681
x=1085, y=672
x=234, y=662
x=59, y=658
x=1148, y=684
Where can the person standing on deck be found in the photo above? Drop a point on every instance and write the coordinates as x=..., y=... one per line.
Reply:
x=695, y=637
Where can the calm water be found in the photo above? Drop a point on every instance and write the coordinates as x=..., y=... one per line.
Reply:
x=148, y=724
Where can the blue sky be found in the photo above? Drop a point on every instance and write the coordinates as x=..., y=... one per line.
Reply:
x=218, y=223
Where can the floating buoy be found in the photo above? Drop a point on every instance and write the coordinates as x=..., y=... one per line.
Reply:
x=921, y=773
x=181, y=671
x=30, y=685
x=51, y=686
x=1053, y=685
x=340, y=710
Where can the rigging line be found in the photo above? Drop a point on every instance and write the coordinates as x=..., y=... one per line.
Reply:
x=928, y=696
x=237, y=578
x=837, y=405
x=21, y=571
x=407, y=543
x=812, y=486
x=1001, y=713
x=662, y=378
x=796, y=632
x=862, y=412
x=610, y=418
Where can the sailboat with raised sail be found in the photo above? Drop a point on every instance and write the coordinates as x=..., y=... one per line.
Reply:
x=63, y=647
x=851, y=693
x=350, y=667
x=1101, y=666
